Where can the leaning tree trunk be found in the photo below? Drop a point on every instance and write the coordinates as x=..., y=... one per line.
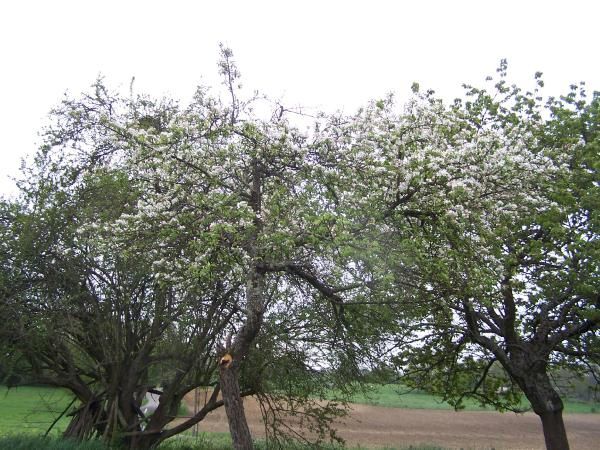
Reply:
x=232, y=357
x=554, y=430
x=234, y=406
x=548, y=405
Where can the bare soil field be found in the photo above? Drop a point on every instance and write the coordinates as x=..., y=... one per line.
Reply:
x=374, y=426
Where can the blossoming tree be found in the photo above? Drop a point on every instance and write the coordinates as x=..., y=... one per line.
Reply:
x=486, y=216
x=159, y=241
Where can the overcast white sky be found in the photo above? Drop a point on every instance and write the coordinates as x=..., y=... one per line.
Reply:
x=325, y=54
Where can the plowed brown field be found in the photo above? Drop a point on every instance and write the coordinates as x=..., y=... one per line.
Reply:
x=374, y=426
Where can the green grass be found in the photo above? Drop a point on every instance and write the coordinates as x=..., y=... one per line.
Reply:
x=31, y=409
x=208, y=441
x=28, y=442
x=581, y=407
x=205, y=441
x=26, y=413
x=396, y=396
x=388, y=395
x=182, y=410
x=222, y=441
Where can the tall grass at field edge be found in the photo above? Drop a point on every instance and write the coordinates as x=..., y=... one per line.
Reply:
x=206, y=441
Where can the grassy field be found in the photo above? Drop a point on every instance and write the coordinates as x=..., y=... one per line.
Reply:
x=394, y=396
x=28, y=412
x=32, y=442
x=31, y=409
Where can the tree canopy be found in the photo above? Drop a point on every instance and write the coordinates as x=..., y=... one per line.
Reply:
x=495, y=241
x=161, y=247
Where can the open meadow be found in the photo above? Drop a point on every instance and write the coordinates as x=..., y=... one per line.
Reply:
x=32, y=409
x=379, y=419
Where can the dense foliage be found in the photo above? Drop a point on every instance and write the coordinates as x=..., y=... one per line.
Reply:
x=160, y=247
x=150, y=240
x=490, y=229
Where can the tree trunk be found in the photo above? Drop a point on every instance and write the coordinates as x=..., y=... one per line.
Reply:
x=548, y=405
x=554, y=431
x=234, y=407
x=230, y=363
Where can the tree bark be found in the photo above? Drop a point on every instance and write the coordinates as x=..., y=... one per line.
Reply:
x=555, y=434
x=234, y=407
x=548, y=405
x=230, y=363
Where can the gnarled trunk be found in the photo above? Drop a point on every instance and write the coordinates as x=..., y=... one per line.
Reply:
x=229, y=365
x=233, y=355
x=234, y=407
x=554, y=430
x=548, y=405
